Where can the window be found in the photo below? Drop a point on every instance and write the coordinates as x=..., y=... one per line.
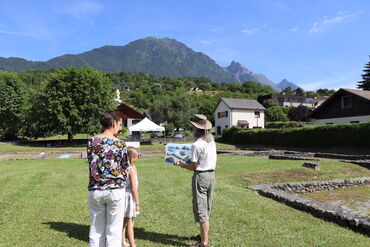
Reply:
x=346, y=101
x=226, y=126
x=222, y=114
x=257, y=114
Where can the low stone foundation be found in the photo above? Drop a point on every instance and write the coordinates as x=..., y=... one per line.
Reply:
x=363, y=163
x=289, y=157
x=286, y=193
x=314, y=166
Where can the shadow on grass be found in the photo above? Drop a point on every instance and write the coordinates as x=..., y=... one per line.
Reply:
x=155, y=237
x=77, y=231
x=81, y=232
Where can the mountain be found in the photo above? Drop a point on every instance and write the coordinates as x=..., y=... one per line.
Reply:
x=241, y=74
x=159, y=57
x=285, y=83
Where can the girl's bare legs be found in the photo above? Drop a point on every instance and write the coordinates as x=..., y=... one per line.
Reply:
x=130, y=232
x=125, y=222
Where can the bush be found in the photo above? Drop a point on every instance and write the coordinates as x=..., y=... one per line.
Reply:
x=283, y=125
x=340, y=135
x=275, y=113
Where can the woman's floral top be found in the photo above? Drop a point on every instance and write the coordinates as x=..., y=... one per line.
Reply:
x=107, y=163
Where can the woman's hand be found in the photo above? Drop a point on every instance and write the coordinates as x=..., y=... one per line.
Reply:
x=137, y=207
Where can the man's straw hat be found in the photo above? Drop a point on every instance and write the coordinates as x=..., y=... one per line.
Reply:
x=201, y=122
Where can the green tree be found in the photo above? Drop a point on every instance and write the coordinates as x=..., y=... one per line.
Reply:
x=299, y=91
x=175, y=109
x=269, y=103
x=275, y=113
x=365, y=83
x=74, y=98
x=288, y=91
x=13, y=104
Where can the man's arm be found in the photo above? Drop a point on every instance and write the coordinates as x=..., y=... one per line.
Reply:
x=190, y=167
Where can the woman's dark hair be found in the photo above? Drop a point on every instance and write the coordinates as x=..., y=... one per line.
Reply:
x=108, y=118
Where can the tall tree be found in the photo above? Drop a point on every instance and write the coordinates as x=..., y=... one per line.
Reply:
x=174, y=109
x=74, y=99
x=288, y=91
x=13, y=104
x=365, y=83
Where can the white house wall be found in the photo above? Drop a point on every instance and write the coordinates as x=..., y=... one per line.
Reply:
x=243, y=114
x=296, y=104
x=225, y=121
x=344, y=120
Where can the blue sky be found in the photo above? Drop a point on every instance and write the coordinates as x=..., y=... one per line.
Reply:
x=313, y=43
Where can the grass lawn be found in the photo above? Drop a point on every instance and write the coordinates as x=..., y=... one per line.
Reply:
x=356, y=198
x=12, y=148
x=44, y=203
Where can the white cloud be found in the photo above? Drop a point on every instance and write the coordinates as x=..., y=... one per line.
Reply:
x=14, y=33
x=249, y=31
x=82, y=9
x=322, y=25
x=293, y=29
x=215, y=29
x=35, y=32
x=206, y=42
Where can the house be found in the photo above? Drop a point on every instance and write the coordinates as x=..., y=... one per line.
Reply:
x=195, y=89
x=122, y=86
x=319, y=100
x=344, y=106
x=287, y=100
x=129, y=115
x=246, y=113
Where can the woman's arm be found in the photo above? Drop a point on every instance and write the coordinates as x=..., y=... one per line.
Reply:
x=134, y=191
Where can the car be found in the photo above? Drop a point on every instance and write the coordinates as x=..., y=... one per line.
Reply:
x=177, y=135
x=154, y=135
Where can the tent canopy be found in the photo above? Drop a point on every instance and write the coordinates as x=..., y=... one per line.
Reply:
x=146, y=125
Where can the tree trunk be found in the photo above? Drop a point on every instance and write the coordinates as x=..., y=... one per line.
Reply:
x=70, y=136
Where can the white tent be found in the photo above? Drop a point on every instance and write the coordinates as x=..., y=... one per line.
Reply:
x=146, y=125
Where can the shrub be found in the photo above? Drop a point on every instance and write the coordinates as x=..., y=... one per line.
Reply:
x=345, y=135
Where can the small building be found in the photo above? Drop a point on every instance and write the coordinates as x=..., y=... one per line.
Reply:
x=319, y=100
x=122, y=86
x=287, y=100
x=344, y=106
x=246, y=113
x=129, y=115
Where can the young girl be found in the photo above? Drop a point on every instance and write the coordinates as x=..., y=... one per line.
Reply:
x=132, y=198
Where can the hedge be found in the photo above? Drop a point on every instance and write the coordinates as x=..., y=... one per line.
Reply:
x=279, y=125
x=339, y=135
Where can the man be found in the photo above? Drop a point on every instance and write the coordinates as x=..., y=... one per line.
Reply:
x=203, y=163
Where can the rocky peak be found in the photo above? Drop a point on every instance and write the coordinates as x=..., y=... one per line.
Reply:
x=236, y=67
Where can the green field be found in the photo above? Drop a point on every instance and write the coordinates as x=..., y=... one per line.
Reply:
x=44, y=203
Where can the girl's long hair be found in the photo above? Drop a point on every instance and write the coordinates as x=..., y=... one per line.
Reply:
x=130, y=152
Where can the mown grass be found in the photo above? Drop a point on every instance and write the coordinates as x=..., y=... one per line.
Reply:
x=357, y=198
x=44, y=203
x=13, y=148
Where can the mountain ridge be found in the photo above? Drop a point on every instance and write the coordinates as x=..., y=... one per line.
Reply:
x=159, y=57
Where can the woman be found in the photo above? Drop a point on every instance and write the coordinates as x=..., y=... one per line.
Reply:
x=107, y=156
x=203, y=163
